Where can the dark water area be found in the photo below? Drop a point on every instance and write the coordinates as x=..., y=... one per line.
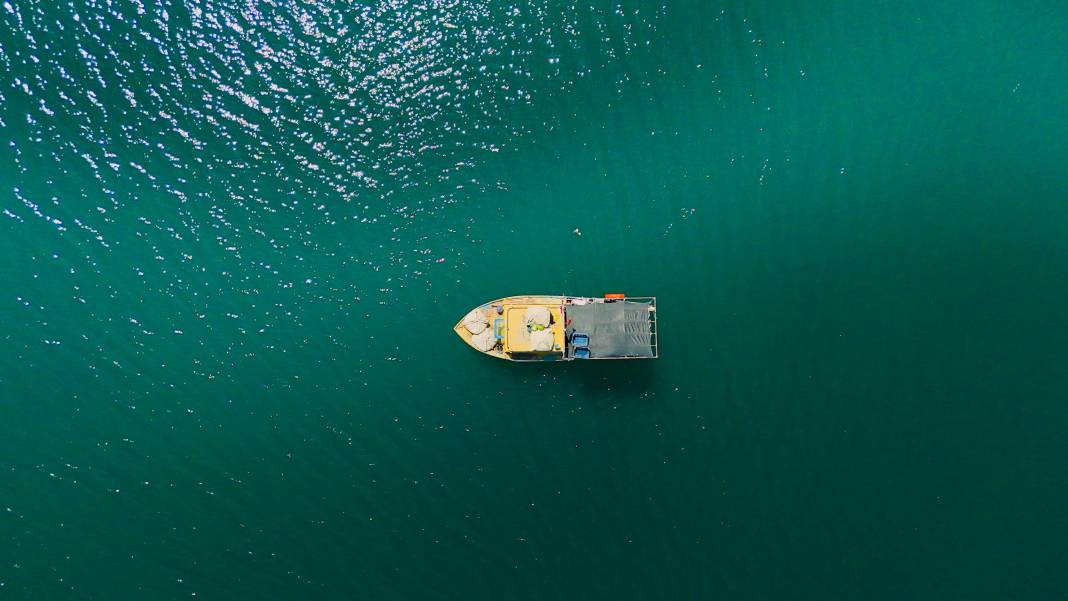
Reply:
x=235, y=237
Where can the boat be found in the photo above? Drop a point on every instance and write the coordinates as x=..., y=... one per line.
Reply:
x=563, y=328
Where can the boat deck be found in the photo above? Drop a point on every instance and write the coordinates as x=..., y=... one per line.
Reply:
x=510, y=325
x=517, y=338
x=616, y=327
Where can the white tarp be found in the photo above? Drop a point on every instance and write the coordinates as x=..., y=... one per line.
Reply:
x=475, y=321
x=539, y=316
x=541, y=340
x=484, y=340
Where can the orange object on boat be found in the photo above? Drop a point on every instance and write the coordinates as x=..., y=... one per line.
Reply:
x=615, y=295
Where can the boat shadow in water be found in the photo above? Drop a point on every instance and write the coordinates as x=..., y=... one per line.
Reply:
x=606, y=379
x=610, y=380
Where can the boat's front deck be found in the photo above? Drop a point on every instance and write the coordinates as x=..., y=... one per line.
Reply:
x=510, y=326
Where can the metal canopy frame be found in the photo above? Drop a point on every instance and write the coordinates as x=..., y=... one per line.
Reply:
x=653, y=338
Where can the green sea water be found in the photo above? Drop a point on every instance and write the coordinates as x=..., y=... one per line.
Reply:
x=235, y=236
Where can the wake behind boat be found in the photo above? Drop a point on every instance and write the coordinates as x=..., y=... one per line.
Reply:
x=563, y=328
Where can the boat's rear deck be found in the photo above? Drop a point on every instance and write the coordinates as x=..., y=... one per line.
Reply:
x=622, y=328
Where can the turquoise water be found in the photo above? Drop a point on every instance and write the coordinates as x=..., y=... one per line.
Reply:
x=236, y=235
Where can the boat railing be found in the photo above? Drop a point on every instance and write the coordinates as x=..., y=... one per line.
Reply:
x=653, y=337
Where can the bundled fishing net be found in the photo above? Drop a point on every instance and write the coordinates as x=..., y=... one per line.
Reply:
x=484, y=340
x=475, y=322
x=541, y=340
x=538, y=316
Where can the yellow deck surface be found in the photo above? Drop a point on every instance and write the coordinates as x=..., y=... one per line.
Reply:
x=517, y=338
